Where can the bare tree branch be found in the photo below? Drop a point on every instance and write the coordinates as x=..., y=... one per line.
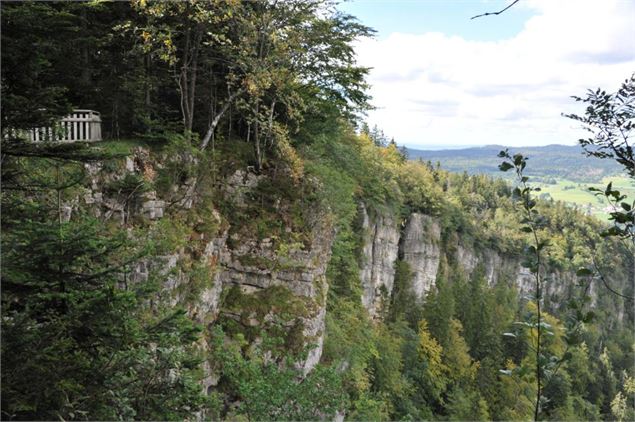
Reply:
x=606, y=284
x=495, y=13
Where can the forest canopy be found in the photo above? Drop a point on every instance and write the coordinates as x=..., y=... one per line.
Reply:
x=234, y=143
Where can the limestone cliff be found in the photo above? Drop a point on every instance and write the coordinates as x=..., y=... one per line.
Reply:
x=380, y=246
x=202, y=266
x=256, y=280
x=421, y=249
x=420, y=245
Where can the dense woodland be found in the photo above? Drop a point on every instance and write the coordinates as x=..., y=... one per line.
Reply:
x=547, y=163
x=209, y=87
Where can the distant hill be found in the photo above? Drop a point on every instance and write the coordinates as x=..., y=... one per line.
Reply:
x=545, y=162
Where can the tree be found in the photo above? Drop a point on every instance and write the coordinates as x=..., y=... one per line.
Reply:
x=430, y=352
x=268, y=391
x=611, y=119
x=34, y=43
x=191, y=38
x=535, y=261
x=80, y=340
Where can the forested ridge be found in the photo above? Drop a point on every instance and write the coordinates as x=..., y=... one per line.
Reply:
x=241, y=247
x=548, y=162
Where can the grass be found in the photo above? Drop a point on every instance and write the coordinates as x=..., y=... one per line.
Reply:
x=578, y=193
x=124, y=147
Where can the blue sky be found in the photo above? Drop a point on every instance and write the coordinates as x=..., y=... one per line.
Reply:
x=446, y=16
x=439, y=78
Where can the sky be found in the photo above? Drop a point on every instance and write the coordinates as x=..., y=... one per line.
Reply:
x=440, y=79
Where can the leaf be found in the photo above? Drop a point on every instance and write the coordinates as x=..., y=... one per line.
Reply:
x=504, y=166
x=509, y=335
x=505, y=372
x=543, y=244
x=583, y=272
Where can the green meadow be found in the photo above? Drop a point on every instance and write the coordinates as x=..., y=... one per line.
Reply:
x=578, y=193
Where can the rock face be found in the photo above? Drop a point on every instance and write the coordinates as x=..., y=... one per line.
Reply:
x=420, y=245
x=290, y=274
x=228, y=259
x=256, y=266
x=421, y=249
x=380, y=247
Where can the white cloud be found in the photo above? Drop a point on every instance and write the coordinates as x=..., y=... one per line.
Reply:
x=432, y=89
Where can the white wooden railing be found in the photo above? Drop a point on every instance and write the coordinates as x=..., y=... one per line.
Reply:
x=80, y=125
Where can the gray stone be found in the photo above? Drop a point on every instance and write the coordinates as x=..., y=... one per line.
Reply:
x=380, y=248
x=421, y=250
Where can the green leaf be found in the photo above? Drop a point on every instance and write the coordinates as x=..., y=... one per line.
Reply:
x=582, y=272
x=590, y=316
x=504, y=166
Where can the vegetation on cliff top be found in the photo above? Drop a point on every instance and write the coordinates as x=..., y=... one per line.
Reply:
x=271, y=89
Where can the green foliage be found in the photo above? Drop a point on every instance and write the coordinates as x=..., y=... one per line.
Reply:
x=403, y=303
x=464, y=406
x=35, y=40
x=609, y=117
x=549, y=163
x=267, y=391
x=95, y=351
x=272, y=88
x=273, y=312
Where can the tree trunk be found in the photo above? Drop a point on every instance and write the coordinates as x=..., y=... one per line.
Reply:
x=192, y=82
x=269, y=134
x=182, y=81
x=210, y=131
x=257, y=138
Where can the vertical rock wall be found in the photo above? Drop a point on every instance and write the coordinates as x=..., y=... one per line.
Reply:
x=420, y=248
x=419, y=244
x=252, y=264
x=379, y=252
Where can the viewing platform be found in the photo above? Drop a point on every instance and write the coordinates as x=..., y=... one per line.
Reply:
x=79, y=126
